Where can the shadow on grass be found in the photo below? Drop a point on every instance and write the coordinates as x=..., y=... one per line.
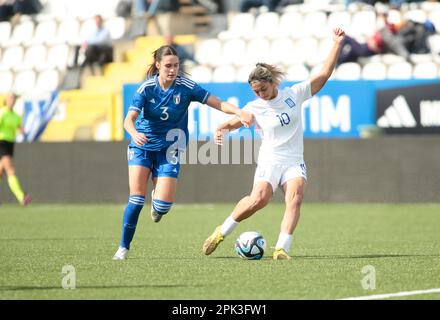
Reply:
x=28, y=288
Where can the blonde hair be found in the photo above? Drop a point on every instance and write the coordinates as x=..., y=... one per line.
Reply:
x=266, y=72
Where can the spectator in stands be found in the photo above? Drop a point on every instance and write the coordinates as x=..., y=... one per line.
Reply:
x=277, y=113
x=97, y=48
x=182, y=52
x=157, y=122
x=10, y=123
x=151, y=7
x=245, y=5
x=10, y=10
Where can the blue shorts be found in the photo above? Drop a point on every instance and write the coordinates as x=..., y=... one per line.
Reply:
x=156, y=161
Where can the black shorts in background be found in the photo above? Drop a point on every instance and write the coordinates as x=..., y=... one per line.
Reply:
x=6, y=148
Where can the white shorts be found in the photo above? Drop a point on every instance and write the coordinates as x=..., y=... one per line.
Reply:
x=277, y=175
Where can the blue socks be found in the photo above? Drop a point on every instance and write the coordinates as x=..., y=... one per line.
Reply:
x=161, y=207
x=130, y=220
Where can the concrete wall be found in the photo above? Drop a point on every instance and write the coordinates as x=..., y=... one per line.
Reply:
x=383, y=169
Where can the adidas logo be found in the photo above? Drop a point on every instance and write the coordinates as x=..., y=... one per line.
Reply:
x=398, y=115
x=175, y=170
x=152, y=101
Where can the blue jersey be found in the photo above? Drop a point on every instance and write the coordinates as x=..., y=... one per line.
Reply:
x=162, y=111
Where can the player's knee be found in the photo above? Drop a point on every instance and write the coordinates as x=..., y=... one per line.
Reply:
x=161, y=207
x=260, y=200
x=295, y=200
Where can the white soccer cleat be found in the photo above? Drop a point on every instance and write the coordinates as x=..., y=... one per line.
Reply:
x=121, y=254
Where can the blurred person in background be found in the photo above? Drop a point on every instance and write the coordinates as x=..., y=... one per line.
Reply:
x=245, y=5
x=10, y=10
x=97, y=48
x=10, y=123
x=157, y=122
x=277, y=113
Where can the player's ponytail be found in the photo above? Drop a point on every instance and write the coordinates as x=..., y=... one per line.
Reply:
x=266, y=72
x=158, y=54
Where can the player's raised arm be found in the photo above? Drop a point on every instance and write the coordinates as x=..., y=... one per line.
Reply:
x=226, y=127
x=244, y=117
x=318, y=81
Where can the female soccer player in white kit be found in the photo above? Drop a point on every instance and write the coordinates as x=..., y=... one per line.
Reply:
x=277, y=113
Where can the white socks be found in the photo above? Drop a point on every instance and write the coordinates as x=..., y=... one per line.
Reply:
x=228, y=226
x=284, y=241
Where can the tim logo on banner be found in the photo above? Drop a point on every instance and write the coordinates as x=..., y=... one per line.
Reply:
x=414, y=109
x=37, y=115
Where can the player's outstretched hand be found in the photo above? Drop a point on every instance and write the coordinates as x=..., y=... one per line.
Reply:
x=246, y=118
x=338, y=35
x=140, y=139
x=218, y=136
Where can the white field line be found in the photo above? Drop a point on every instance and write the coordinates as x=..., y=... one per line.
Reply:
x=394, y=295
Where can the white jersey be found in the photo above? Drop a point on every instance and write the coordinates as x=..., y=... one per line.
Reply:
x=279, y=122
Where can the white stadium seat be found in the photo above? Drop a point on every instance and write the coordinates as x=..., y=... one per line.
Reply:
x=298, y=72
x=12, y=56
x=416, y=15
x=434, y=43
x=241, y=26
x=291, y=25
x=258, y=50
x=57, y=57
x=21, y=33
x=374, y=71
x=425, y=70
x=24, y=82
x=6, y=81
x=47, y=81
x=224, y=74
x=434, y=16
x=68, y=32
x=34, y=57
x=201, y=74
x=363, y=23
x=266, y=25
x=5, y=32
x=87, y=28
x=341, y=19
x=400, y=70
x=308, y=50
x=348, y=71
x=390, y=58
x=234, y=52
x=283, y=51
x=242, y=73
x=45, y=31
x=116, y=27
x=208, y=51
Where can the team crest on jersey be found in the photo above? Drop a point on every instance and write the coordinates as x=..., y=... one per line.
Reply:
x=290, y=102
x=176, y=98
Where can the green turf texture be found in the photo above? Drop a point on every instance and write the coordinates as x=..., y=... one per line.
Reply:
x=332, y=244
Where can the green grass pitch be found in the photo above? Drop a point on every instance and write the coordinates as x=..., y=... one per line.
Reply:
x=332, y=244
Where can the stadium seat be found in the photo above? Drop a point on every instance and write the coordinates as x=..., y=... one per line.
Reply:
x=390, y=58
x=201, y=74
x=5, y=32
x=400, y=70
x=12, y=56
x=363, y=23
x=208, y=51
x=348, y=71
x=68, y=32
x=291, y=25
x=116, y=27
x=224, y=74
x=24, y=82
x=234, y=52
x=243, y=72
x=21, y=33
x=434, y=16
x=307, y=48
x=241, y=25
x=34, y=57
x=416, y=15
x=425, y=70
x=6, y=81
x=45, y=31
x=283, y=51
x=257, y=50
x=86, y=29
x=266, y=25
x=341, y=19
x=374, y=71
x=315, y=24
x=47, y=81
x=434, y=43
x=57, y=57
x=298, y=72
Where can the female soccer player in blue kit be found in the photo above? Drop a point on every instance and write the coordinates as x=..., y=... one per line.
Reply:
x=162, y=102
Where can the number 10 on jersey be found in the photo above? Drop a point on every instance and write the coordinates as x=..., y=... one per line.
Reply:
x=284, y=119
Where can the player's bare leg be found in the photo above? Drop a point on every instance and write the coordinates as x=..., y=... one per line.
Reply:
x=293, y=196
x=246, y=207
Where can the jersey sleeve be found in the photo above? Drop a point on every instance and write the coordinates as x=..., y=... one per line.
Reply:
x=199, y=94
x=138, y=102
x=302, y=90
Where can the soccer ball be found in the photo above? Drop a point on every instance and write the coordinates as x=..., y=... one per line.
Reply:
x=250, y=245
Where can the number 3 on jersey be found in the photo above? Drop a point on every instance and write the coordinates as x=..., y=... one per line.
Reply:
x=165, y=114
x=284, y=119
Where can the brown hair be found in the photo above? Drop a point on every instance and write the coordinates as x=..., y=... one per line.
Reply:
x=266, y=72
x=158, y=54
